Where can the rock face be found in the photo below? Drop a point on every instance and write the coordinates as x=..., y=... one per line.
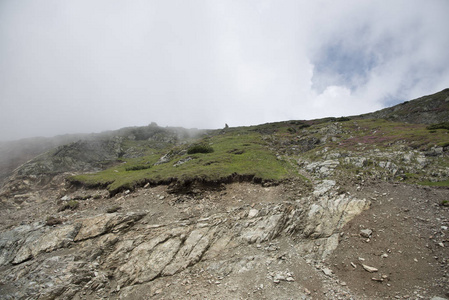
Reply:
x=116, y=254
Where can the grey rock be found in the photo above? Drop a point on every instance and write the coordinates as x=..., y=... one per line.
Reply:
x=366, y=233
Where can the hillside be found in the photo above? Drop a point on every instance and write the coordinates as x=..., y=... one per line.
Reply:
x=431, y=109
x=336, y=208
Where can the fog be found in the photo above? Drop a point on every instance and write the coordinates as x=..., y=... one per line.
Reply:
x=89, y=66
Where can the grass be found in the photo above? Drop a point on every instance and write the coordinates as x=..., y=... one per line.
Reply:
x=250, y=152
x=240, y=152
x=378, y=133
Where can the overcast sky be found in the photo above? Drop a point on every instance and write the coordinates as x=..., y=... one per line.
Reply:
x=89, y=66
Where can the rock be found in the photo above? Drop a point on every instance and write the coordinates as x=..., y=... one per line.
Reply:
x=101, y=224
x=329, y=214
x=192, y=250
x=327, y=271
x=147, y=261
x=369, y=269
x=265, y=229
x=366, y=233
x=49, y=241
x=182, y=161
x=323, y=187
x=252, y=213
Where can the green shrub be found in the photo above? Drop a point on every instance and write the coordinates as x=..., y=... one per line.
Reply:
x=200, y=148
x=343, y=119
x=444, y=125
x=137, y=168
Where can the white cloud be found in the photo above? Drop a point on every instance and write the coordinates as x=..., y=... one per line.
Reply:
x=83, y=66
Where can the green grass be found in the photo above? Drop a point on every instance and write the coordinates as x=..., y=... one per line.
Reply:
x=243, y=153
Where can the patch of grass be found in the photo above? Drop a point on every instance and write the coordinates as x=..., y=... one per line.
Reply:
x=379, y=133
x=254, y=160
x=444, y=125
x=138, y=167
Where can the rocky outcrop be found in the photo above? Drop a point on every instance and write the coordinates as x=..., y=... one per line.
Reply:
x=115, y=254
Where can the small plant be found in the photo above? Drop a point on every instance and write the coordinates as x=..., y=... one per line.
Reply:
x=137, y=168
x=200, y=148
x=72, y=205
x=444, y=125
x=444, y=203
x=343, y=119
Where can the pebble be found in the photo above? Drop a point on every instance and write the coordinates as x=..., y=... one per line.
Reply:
x=369, y=269
x=366, y=233
x=327, y=271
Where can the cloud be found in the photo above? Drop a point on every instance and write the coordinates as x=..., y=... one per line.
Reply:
x=88, y=66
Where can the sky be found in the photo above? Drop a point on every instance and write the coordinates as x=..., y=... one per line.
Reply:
x=92, y=65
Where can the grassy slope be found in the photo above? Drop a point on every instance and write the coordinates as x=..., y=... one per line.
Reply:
x=238, y=151
x=247, y=151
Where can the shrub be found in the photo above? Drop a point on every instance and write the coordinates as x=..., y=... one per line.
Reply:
x=136, y=168
x=343, y=119
x=200, y=148
x=444, y=125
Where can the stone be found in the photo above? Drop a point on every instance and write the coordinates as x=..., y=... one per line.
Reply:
x=252, y=213
x=327, y=271
x=101, y=224
x=366, y=233
x=369, y=269
x=47, y=242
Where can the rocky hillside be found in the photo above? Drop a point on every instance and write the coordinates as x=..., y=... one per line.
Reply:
x=347, y=208
x=431, y=109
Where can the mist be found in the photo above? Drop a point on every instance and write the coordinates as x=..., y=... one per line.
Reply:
x=91, y=66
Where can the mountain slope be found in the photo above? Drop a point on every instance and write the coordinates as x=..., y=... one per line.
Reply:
x=431, y=109
x=337, y=208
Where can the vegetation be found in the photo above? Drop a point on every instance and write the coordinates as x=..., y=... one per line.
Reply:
x=379, y=133
x=444, y=125
x=240, y=153
x=200, y=148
